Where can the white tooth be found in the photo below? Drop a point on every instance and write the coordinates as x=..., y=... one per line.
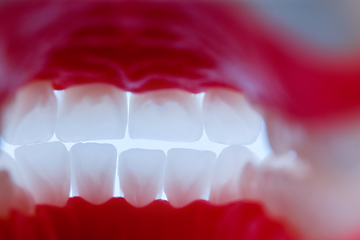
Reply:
x=248, y=181
x=94, y=168
x=169, y=115
x=92, y=112
x=318, y=206
x=226, y=178
x=9, y=164
x=13, y=193
x=46, y=171
x=30, y=116
x=278, y=173
x=141, y=175
x=188, y=175
x=229, y=118
x=284, y=133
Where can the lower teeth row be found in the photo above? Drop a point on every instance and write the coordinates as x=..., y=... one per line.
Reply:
x=48, y=169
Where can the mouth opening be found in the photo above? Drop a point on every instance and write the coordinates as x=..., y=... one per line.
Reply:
x=135, y=68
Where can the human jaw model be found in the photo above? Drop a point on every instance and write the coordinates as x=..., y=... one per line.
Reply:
x=296, y=64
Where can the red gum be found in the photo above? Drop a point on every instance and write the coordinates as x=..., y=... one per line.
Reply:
x=141, y=46
x=192, y=46
x=117, y=219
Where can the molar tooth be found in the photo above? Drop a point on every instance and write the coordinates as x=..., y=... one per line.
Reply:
x=13, y=193
x=318, y=205
x=188, y=175
x=93, y=168
x=169, y=115
x=30, y=115
x=46, y=171
x=284, y=134
x=92, y=112
x=275, y=176
x=141, y=175
x=229, y=118
x=9, y=164
x=226, y=178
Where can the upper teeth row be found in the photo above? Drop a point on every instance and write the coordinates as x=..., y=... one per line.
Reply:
x=100, y=111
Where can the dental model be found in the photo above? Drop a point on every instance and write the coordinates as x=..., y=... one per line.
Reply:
x=75, y=75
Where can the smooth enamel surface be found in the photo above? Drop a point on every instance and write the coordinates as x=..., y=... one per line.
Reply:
x=93, y=168
x=46, y=171
x=141, y=174
x=30, y=115
x=226, y=177
x=168, y=115
x=13, y=191
x=284, y=133
x=229, y=118
x=187, y=175
x=92, y=112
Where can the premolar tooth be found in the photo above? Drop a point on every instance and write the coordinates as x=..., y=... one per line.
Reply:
x=141, y=175
x=46, y=171
x=229, y=119
x=30, y=116
x=187, y=175
x=169, y=115
x=226, y=178
x=13, y=193
x=94, y=168
x=92, y=112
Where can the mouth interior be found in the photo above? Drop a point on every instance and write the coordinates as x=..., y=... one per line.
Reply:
x=260, y=146
x=192, y=209
x=275, y=76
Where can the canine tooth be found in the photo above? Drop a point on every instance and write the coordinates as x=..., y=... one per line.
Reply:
x=46, y=171
x=30, y=116
x=92, y=112
x=226, y=178
x=141, y=174
x=13, y=193
x=169, y=115
x=93, y=168
x=187, y=175
x=229, y=118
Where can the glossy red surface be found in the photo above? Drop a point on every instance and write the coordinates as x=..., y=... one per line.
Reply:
x=141, y=46
x=117, y=219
